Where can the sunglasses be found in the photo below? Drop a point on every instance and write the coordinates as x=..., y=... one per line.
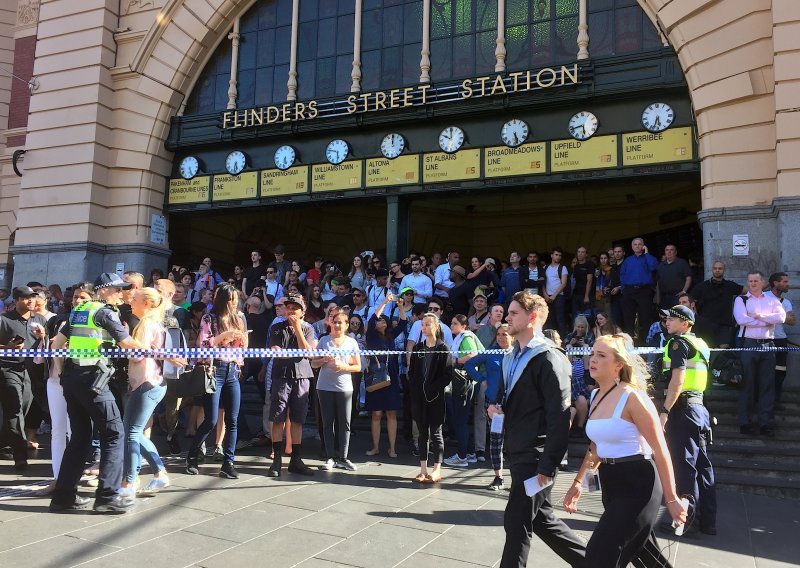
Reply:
x=270, y=272
x=434, y=308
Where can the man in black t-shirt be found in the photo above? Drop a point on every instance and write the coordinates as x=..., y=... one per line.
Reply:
x=253, y=275
x=583, y=292
x=460, y=294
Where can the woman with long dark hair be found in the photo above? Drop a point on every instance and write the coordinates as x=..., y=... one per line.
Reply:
x=221, y=327
x=429, y=373
x=315, y=310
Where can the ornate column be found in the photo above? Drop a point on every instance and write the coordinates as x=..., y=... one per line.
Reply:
x=292, y=83
x=233, y=84
x=583, y=31
x=356, y=74
x=500, y=50
x=425, y=62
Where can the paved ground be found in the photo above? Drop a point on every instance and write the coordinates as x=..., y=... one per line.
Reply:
x=374, y=517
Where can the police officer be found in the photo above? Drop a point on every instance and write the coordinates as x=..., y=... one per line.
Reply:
x=91, y=326
x=685, y=417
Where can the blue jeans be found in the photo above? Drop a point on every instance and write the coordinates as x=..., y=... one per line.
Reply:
x=141, y=404
x=459, y=410
x=228, y=395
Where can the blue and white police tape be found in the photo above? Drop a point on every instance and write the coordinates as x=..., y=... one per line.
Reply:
x=262, y=353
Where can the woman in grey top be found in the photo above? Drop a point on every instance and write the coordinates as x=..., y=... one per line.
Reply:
x=335, y=389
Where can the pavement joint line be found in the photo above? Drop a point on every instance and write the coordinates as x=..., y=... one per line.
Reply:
x=749, y=529
x=423, y=546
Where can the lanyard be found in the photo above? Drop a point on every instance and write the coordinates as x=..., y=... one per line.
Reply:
x=602, y=398
x=511, y=371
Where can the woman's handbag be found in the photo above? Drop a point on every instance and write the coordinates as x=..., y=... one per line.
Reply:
x=377, y=376
x=461, y=384
x=200, y=380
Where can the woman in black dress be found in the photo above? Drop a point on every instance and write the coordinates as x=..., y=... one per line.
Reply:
x=429, y=373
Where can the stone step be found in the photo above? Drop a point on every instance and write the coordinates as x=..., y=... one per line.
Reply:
x=716, y=392
x=760, y=485
x=719, y=407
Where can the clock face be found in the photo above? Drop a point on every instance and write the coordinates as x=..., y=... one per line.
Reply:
x=583, y=125
x=657, y=117
x=451, y=139
x=393, y=145
x=285, y=157
x=337, y=151
x=189, y=167
x=514, y=132
x=235, y=162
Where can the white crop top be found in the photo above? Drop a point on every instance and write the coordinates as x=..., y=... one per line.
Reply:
x=615, y=437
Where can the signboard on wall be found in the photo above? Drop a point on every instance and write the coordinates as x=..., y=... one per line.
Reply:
x=593, y=154
x=243, y=186
x=284, y=182
x=527, y=159
x=403, y=170
x=441, y=167
x=327, y=177
x=673, y=145
x=195, y=190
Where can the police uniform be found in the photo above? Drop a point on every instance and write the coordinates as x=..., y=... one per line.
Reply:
x=688, y=426
x=91, y=325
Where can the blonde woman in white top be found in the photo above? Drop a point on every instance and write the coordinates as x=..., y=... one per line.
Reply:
x=628, y=442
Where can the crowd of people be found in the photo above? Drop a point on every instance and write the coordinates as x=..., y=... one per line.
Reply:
x=463, y=340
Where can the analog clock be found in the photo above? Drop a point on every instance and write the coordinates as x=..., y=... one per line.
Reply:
x=285, y=157
x=235, y=162
x=189, y=167
x=657, y=117
x=514, y=132
x=393, y=145
x=337, y=151
x=451, y=139
x=583, y=125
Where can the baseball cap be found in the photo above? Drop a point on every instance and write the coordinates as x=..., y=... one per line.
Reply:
x=491, y=261
x=295, y=299
x=111, y=279
x=479, y=292
x=23, y=292
x=459, y=270
x=680, y=312
x=406, y=289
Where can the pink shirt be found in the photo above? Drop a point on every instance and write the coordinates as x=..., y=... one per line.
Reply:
x=147, y=369
x=768, y=306
x=207, y=330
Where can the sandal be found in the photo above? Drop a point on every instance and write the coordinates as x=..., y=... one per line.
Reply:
x=392, y=454
x=420, y=478
x=373, y=452
x=431, y=479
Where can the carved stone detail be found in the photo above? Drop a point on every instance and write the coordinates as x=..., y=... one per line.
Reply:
x=132, y=6
x=27, y=12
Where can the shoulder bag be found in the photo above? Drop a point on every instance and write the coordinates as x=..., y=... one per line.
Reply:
x=377, y=376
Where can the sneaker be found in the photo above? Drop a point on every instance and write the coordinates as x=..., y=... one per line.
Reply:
x=219, y=455
x=472, y=458
x=117, y=505
x=191, y=466
x=297, y=466
x=174, y=445
x=128, y=492
x=481, y=456
x=154, y=486
x=328, y=465
x=345, y=464
x=415, y=449
x=79, y=504
x=455, y=461
x=497, y=484
x=228, y=471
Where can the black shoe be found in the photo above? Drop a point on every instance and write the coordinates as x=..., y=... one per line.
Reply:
x=297, y=466
x=748, y=430
x=768, y=431
x=174, y=445
x=21, y=465
x=415, y=450
x=709, y=530
x=117, y=505
x=228, y=471
x=275, y=469
x=191, y=466
x=497, y=484
x=80, y=504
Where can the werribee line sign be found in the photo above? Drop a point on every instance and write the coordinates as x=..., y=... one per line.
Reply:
x=406, y=97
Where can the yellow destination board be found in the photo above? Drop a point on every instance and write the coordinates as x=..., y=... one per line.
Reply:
x=327, y=177
x=193, y=190
x=443, y=167
x=403, y=170
x=523, y=160
x=595, y=153
x=284, y=182
x=243, y=186
x=673, y=145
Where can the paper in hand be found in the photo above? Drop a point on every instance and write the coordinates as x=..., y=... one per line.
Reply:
x=532, y=486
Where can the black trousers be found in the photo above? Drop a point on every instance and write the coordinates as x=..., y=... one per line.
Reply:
x=16, y=397
x=632, y=494
x=408, y=428
x=429, y=417
x=527, y=515
x=637, y=311
x=85, y=407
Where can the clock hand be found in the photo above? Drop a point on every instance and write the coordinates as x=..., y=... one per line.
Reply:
x=657, y=123
x=515, y=138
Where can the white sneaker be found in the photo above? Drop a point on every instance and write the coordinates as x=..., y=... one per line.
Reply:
x=455, y=461
x=345, y=464
x=128, y=492
x=329, y=465
x=472, y=458
x=154, y=486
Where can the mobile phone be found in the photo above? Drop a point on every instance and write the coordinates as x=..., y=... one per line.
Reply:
x=17, y=339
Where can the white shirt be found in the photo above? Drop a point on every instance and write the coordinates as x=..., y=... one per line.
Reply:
x=421, y=284
x=415, y=334
x=552, y=279
x=768, y=306
x=442, y=276
x=780, y=333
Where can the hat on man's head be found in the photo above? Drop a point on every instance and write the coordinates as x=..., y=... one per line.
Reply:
x=295, y=299
x=111, y=280
x=459, y=270
x=23, y=292
x=680, y=312
x=406, y=290
x=479, y=293
x=491, y=261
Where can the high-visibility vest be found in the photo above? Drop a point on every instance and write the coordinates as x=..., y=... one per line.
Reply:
x=696, y=367
x=86, y=337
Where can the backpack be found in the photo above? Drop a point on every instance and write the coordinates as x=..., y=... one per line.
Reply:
x=567, y=291
x=174, y=338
